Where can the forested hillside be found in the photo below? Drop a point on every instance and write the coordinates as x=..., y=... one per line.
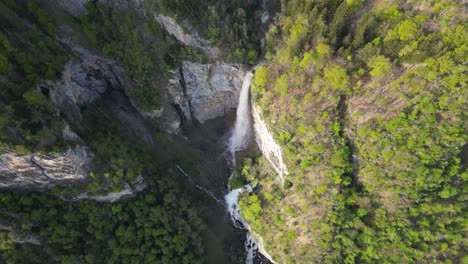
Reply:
x=167, y=222
x=367, y=99
x=369, y=102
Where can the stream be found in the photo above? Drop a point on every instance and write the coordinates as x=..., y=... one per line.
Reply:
x=232, y=135
x=239, y=140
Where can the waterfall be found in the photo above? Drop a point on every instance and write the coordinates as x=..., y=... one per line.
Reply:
x=232, y=200
x=243, y=125
x=239, y=140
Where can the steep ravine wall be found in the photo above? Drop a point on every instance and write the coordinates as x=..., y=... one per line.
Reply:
x=40, y=171
x=267, y=144
x=188, y=37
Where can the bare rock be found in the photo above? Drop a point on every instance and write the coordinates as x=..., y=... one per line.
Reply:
x=86, y=77
x=267, y=144
x=128, y=191
x=208, y=90
x=188, y=36
x=43, y=171
x=78, y=7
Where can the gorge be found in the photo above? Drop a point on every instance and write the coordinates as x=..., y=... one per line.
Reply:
x=233, y=131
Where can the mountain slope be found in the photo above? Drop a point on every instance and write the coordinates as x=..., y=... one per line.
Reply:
x=368, y=100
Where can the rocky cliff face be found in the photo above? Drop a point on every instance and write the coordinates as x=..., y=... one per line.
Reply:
x=77, y=7
x=86, y=77
x=187, y=35
x=206, y=91
x=41, y=171
x=267, y=144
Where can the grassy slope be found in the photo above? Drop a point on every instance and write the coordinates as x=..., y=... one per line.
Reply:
x=383, y=82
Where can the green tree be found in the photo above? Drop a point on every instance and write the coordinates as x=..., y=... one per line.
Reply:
x=337, y=78
x=407, y=30
x=380, y=65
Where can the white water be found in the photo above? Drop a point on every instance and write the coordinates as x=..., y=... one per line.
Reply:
x=232, y=199
x=251, y=247
x=232, y=205
x=243, y=125
x=239, y=140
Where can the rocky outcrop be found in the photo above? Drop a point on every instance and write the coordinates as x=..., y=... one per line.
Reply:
x=43, y=171
x=86, y=77
x=187, y=35
x=27, y=239
x=261, y=246
x=129, y=191
x=267, y=144
x=74, y=7
x=77, y=7
x=206, y=91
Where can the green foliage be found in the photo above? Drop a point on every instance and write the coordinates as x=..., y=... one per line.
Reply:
x=122, y=35
x=380, y=65
x=236, y=182
x=152, y=227
x=282, y=85
x=374, y=158
x=322, y=49
x=33, y=97
x=28, y=55
x=260, y=80
x=354, y=4
x=5, y=65
x=119, y=162
x=251, y=208
x=337, y=78
x=407, y=30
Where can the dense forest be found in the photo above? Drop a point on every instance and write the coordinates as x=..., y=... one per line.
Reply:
x=367, y=99
x=166, y=223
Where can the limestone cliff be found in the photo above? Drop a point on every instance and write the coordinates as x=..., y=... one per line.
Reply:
x=40, y=171
x=210, y=90
x=85, y=78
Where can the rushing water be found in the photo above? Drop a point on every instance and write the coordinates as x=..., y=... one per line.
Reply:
x=239, y=141
x=243, y=125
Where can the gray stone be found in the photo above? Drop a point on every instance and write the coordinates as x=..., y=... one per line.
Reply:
x=211, y=90
x=43, y=171
x=188, y=36
x=78, y=7
x=86, y=77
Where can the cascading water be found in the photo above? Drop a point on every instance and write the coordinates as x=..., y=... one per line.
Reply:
x=243, y=125
x=239, y=141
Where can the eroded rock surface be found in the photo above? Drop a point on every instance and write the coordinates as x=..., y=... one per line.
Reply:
x=78, y=7
x=267, y=144
x=86, y=77
x=43, y=171
x=206, y=91
x=187, y=35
